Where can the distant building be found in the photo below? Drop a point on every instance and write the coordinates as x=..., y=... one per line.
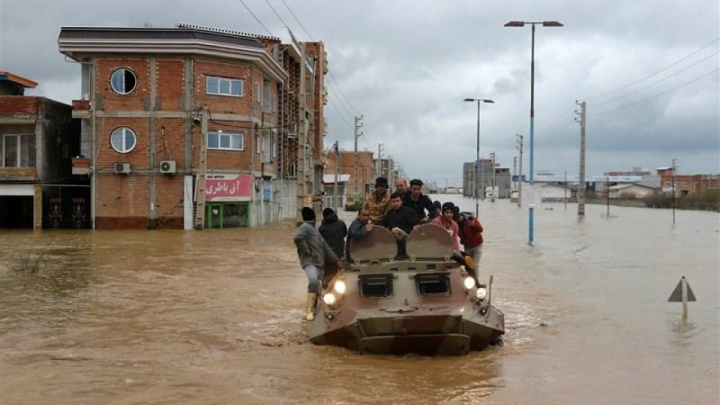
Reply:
x=356, y=187
x=628, y=190
x=480, y=177
x=685, y=184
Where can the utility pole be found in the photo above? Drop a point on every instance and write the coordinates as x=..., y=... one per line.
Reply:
x=202, y=171
x=565, y=196
x=336, y=197
x=581, y=179
x=492, y=181
x=520, y=175
x=379, y=170
x=673, y=189
x=302, y=143
x=607, y=195
x=356, y=134
x=515, y=171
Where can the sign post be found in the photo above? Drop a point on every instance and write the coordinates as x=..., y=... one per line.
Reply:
x=682, y=293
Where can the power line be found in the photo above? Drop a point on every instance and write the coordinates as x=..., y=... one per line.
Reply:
x=342, y=117
x=254, y=16
x=276, y=13
x=298, y=21
x=656, y=82
x=659, y=71
x=341, y=92
x=352, y=110
x=659, y=94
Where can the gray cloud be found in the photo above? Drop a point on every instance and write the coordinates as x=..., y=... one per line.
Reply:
x=406, y=65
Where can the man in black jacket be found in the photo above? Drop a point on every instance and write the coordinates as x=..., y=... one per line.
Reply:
x=418, y=201
x=400, y=220
x=359, y=229
x=333, y=230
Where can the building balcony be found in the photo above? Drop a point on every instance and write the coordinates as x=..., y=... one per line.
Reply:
x=81, y=109
x=17, y=174
x=80, y=165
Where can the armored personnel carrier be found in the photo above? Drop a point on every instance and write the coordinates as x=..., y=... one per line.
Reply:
x=424, y=302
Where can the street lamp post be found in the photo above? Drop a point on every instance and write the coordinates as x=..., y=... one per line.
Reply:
x=477, y=149
x=532, y=110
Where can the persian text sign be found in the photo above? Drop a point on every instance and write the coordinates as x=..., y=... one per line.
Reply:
x=226, y=187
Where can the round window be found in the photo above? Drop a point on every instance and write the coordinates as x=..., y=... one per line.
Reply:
x=123, y=139
x=123, y=81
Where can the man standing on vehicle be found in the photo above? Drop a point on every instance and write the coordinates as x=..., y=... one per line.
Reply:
x=470, y=231
x=419, y=202
x=313, y=251
x=333, y=230
x=378, y=202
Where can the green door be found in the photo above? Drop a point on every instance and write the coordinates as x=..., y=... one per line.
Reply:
x=214, y=216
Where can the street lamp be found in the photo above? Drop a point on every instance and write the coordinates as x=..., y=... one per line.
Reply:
x=477, y=149
x=532, y=110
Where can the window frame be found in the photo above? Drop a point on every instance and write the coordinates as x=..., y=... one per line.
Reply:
x=220, y=82
x=31, y=150
x=419, y=278
x=366, y=281
x=229, y=135
x=125, y=130
x=123, y=69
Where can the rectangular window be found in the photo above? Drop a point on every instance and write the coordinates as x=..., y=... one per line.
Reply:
x=376, y=286
x=225, y=141
x=18, y=151
x=267, y=100
x=433, y=284
x=224, y=87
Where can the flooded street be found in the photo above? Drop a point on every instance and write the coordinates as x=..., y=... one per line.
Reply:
x=215, y=317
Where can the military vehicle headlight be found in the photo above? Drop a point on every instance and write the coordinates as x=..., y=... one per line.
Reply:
x=339, y=287
x=469, y=282
x=329, y=298
x=481, y=293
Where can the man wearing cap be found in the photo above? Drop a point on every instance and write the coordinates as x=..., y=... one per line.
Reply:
x=378, y=202
x=333, y=230
x=446, y=221
x=449, y=210
x=313, y=251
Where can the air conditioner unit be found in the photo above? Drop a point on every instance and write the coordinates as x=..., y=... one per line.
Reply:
x=122, y=168
x=168, y=167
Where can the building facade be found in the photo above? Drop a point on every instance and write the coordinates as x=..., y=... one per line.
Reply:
x=37, y=142
x=193, y=127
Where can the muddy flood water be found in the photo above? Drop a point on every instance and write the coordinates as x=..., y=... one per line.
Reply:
x=215, y=317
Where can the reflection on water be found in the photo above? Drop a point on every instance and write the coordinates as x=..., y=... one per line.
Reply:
x=216, y=317
x=683, y=332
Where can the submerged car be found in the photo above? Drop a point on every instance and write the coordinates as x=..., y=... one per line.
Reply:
x=423, y=302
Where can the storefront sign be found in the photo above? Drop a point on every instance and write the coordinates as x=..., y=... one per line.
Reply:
x=228, y=187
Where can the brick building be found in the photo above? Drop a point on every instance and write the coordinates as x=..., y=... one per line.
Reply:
x=37, y=141
x=687, y=183
x=355, y=187
x=189, y=125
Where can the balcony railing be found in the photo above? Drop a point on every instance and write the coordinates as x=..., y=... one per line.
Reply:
x=81, y=109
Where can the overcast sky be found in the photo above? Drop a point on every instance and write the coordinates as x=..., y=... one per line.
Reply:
x=648, y=70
